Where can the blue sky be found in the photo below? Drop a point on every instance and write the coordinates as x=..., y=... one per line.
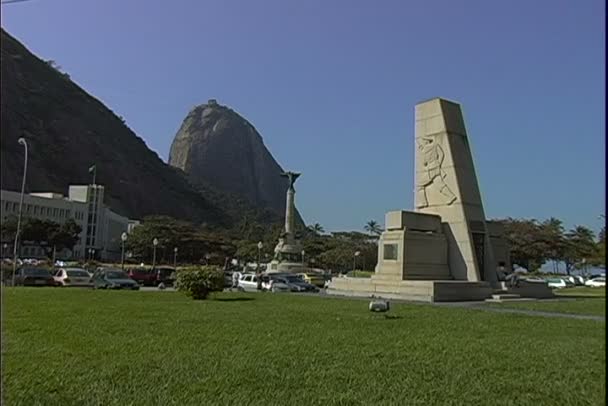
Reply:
x=332, y=85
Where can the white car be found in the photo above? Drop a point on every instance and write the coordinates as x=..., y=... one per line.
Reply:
x=556, y=283
x=73, y=277
x=248, y=282
x=596, y=282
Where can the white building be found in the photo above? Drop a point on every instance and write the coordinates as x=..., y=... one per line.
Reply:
x=101, y=227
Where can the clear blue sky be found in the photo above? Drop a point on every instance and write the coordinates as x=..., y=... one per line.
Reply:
x=332, y=85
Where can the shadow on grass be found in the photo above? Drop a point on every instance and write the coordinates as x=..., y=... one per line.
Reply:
x=233, y=299
x=386, y=317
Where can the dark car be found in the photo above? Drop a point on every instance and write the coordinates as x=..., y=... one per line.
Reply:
x=153, y=277
x=108, y=278
x=296, y=284
x=34, y=277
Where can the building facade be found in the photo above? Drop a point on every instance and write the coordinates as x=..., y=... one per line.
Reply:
x=101, y=227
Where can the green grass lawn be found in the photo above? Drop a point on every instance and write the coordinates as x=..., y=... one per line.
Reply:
x=577, y=300
x=67, y=347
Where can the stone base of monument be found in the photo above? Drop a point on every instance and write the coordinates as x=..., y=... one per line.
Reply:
x=416, y=290
x=537, y=290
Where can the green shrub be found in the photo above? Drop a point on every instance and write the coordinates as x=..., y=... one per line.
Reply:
x=198, y=281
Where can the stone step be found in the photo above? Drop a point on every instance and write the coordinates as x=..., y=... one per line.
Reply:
x=502, y=296
x=507, y=297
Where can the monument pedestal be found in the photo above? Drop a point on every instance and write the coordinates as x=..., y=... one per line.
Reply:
x=537, y=290
x=423, y=291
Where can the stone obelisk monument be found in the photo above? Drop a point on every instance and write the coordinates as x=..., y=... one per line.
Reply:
x=446, y=185
x=288, y=251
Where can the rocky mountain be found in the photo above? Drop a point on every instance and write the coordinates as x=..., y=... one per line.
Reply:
x=68, y=130
x=216, y=146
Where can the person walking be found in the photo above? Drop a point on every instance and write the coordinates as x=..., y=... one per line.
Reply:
x=235, y=280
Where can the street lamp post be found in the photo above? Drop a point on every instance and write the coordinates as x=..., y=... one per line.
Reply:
x=207, y=258
x=260, y=246
x=4, y=247
x=15, y=249
x=357, y=253
x=154, y=244
x=175, y=257
x=303, y=253
x=123, y=238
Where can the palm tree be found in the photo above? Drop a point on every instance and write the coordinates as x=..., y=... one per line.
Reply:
x=553, y=235
x=372, y=227
x=316, y=229
x=580, y=246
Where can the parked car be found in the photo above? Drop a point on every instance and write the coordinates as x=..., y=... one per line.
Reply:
x=272, y=283
x=248, y=282
x=569, y=281
x=108, y=278
x=596, y=282
x=34, y=277
x=315, y=279
x=296, y=284
x=556, y=283
x=152, y=277
x=578, y=280
x=72, y=277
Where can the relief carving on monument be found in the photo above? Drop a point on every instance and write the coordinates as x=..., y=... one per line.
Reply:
x=431, y=157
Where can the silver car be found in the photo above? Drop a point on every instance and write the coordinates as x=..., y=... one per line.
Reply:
x=73, y=277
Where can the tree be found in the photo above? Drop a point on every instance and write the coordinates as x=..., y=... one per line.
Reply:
x=552, y=234
x=528, y=245
x=580, y=248
x=316, y=229
x=8, y=228
x=373, y=228
x=64, y=237
x=193, y=243
x=38, y=231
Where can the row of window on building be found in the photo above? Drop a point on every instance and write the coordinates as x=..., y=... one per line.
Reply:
x=36, y=210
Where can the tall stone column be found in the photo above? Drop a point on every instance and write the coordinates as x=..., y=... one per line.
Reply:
x=290, y=208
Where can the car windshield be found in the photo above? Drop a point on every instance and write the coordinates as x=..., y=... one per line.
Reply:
x=36, y=272
x=116, y=275
x=77, y=273
x=292, y=279
x=600, y=279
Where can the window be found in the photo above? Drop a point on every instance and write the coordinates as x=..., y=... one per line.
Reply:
x=61, y=212
x=27, y=208
x=15, y=206
x=390, y=252
x=36, y=210
x=7, y=206
x=55, y=212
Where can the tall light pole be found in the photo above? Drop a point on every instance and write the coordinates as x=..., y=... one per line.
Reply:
x=207, y=258
x=357, y=253
x=123, y=238
x=4, y=247
x=175, y=257
x=260, y=246
x=303, y=253
x=154, y=244
x=15, y=249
